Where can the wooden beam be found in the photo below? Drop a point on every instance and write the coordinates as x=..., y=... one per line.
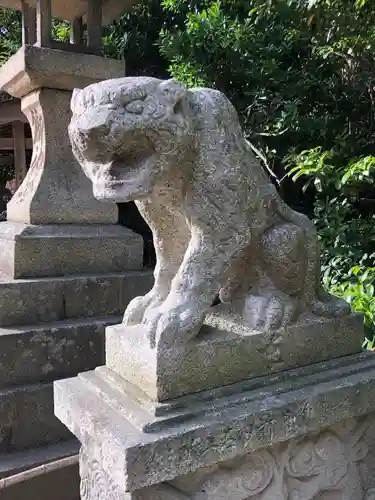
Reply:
x=19, y=150
x=11, y=112
x=94, y=24
x=76, y=33
x=6, y=144
x=43, y=23
x=28, y=24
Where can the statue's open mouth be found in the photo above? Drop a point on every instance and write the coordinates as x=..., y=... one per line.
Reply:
x=126, y=176
x=126, y=163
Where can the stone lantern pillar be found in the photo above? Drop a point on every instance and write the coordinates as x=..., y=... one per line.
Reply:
x=43, y=74
x=62, y=253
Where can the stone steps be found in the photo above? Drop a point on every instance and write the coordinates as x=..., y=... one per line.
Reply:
x=59, y=484
x=41, y=300
x=46, y=352
x=31, y=358
x=50, y=329
x=15, y=463
x=27, y=418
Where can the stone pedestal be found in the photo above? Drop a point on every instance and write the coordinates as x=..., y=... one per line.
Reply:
x=31, y=251
x=304, y=434
x=224, y=353
x=234, y=414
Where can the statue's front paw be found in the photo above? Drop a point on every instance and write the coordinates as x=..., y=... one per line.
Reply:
x=170, y=325
x=138, y=307
x=134, y=312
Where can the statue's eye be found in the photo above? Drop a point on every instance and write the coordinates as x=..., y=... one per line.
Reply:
x=135, y=107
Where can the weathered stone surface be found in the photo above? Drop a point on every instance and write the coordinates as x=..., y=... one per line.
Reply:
x=224, y=354
x=28, y=251
x=25, y=302
x=215, y=427
x=35, y=67
x=326, y=465
x=55, y=350
x=40, y=300
x=101, y=295
x=220, y=228
x=27, y=419
x=55, y=189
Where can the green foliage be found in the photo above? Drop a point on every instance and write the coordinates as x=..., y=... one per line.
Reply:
x=10, y=33
x=135, y=38
x=61, y=30
x=359, y=292
x=6, y=173
x=347, y=235
x=301, y=74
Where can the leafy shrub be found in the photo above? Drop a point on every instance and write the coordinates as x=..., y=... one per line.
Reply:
x=10, y=33
x=346, y=232
x=301, y=74
x=359, y=293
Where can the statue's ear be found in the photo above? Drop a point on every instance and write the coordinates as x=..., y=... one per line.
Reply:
x=173, y=89
x=73, y=101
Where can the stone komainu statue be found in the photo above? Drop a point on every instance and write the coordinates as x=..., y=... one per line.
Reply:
x=219, y=226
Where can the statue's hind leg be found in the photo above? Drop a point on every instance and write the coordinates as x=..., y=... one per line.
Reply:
x=271, y=278
x=316, y=299
x=291, y=260
x=284, y=258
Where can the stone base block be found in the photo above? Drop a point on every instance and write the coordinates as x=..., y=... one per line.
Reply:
x=43, y=353
x=225, y=353
x=303, y=434
x=42, y=300
x=27, y=418
x=28, y=251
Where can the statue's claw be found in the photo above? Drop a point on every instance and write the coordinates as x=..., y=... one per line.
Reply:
x=175, y=324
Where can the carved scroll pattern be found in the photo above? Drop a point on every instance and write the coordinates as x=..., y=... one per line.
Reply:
x=323, y=466
x=96, y=484
x=310, y=468
x=35, y=116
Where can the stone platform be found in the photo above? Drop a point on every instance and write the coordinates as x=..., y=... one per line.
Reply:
x=226, y=352
x=313, y=425
x=33, y=251
x=51, y=328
